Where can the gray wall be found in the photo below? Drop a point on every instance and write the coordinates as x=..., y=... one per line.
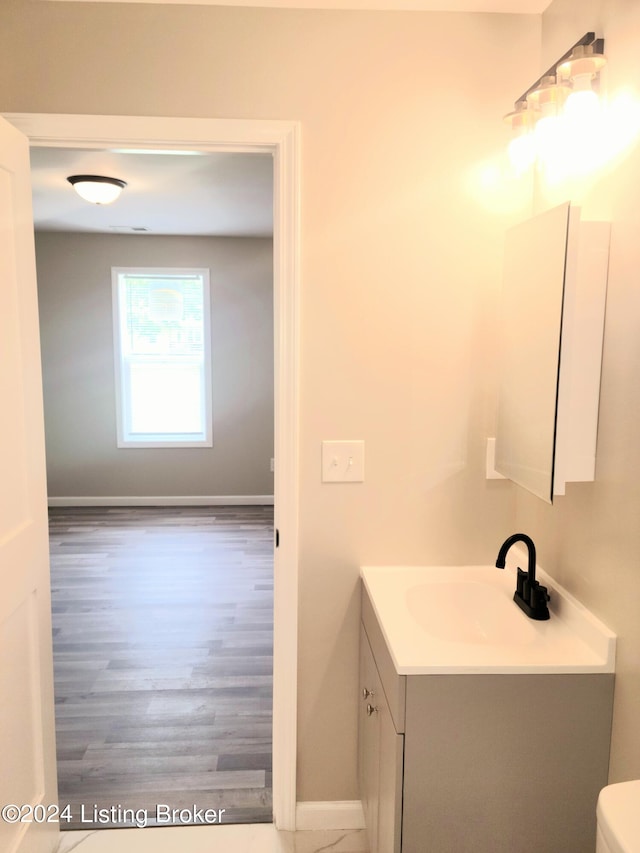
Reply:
x=74, y=292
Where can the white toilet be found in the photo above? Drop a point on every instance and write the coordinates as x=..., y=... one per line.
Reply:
x=619, y=818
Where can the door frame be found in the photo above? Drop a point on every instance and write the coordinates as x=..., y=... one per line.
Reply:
x=282, y=140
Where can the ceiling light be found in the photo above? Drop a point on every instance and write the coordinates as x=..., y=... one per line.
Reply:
x=96, y=188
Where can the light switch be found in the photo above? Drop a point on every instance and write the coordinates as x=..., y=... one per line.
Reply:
x=343, y=461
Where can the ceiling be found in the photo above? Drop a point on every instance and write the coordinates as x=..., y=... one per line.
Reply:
x=229, y=195
x=532, y=7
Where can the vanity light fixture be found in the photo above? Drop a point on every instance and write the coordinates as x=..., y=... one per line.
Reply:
x=96, y=188
x=565, y=90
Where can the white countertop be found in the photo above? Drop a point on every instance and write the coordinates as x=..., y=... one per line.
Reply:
x=462, y=619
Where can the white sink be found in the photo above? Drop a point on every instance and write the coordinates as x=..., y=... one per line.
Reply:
x=460, y=611
x=455, y=619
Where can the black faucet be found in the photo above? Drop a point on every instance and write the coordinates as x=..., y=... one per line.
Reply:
x=529, y=595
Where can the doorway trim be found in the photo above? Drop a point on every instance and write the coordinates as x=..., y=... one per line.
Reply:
x=282, y=140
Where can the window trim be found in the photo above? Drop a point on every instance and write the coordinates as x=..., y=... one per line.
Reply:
x=123, y=438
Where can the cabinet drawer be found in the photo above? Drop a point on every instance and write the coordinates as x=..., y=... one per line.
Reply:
x=394, y=685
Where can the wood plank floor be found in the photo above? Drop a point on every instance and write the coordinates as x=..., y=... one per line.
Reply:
x=163, y=627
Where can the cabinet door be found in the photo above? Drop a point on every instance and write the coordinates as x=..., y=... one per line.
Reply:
x=390, y=773
x=380, y=759
x=368, y=740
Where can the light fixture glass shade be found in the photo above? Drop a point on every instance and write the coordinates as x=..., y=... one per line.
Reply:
x=547, y=99
x=582, y=61
x=522, y=152
x=582, y=68
x=548, y=134
x=521, y=149
x=549, y=95
x=96, y=188
x=583, y=103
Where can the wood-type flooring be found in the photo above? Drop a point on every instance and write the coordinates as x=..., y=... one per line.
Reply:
x=163, y=629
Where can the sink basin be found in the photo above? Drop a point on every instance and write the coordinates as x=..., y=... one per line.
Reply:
x=468, y=612
x=462, y=619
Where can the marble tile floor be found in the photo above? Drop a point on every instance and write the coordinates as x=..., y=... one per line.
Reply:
x=239, y=838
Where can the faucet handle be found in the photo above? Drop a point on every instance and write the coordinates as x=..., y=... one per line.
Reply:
x=539, y=598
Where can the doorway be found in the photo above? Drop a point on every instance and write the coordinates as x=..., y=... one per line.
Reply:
x=281, y=140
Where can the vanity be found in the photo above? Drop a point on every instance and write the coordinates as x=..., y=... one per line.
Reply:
x=480, y=730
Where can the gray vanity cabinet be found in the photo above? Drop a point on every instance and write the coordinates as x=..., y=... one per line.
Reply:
x=380, y=756
x=479, y=763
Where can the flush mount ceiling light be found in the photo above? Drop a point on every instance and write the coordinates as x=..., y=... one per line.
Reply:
x=96, y=188
x=563, y=91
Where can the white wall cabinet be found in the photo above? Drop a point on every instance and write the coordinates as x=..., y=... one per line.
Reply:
x=479, y=763
x=551, y=329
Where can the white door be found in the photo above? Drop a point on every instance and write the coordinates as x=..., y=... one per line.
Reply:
x=27, y=741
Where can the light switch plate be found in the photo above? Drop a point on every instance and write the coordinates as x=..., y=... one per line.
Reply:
x=343, y=461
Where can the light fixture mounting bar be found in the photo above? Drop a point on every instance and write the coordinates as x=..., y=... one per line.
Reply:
x=587, y=39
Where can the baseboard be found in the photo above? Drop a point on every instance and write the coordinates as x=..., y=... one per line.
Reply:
x=165, y=500
x=339, y=814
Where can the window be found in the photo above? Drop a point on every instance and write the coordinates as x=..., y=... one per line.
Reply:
x=163, y=353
